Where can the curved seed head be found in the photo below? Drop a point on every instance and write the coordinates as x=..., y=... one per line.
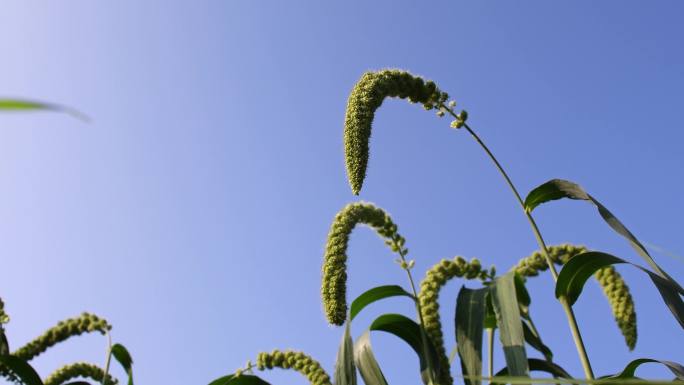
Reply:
x=366, y=97
x=334, y=282
x=301, y=362
x=613, y=285
x=85, y=323
x=79, y=370
x=434, y=280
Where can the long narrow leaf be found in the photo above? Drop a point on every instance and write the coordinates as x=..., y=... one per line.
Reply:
x=22, y=369
x=508, y=319
x=534, y=340
x=558, y=189
x=366, y=363
x=409, y=331
x=578, y=269
x=537, y=365
x=470, y=311
x=32, y=105
x=375, y=294
x=628, y=371
x=345, y=371
x=123, y=357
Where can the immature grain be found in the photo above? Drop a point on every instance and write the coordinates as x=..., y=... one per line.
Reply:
x=613, y=285
x=434, y=280
x=298, y=361
x=334, y=282
x=366, y=97
x=79, y=370
x=85, y=323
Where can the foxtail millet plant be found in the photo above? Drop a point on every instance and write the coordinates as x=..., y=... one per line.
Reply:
x=298, y=361
x=502, y=303
x=79, y=370
x=334, y=287
x=613, y=285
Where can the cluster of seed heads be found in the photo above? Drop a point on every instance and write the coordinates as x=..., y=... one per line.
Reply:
x=86, y=323
x=4, y=318
x=612, y=283
x=79, y=370
x=366, y=97
x=434, y=280
x=294, y=360
x=334, y=282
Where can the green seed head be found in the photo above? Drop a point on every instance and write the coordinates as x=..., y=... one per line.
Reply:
x=79, y=370
x=301, y=362
x=366, y=97
x=334, y=283
x=86, y=323
x=612, y=283
x=434, y=280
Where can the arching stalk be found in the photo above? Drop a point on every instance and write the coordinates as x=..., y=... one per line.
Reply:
x=572, y=321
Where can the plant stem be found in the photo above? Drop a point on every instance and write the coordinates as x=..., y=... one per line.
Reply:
x=490, y=352
x=423, y=337
x=108, y=360
x=572, y=321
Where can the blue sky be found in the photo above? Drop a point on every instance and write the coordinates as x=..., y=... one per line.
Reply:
x=192, y=211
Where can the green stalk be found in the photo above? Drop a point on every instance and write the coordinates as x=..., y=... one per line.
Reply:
x=423, y=337
x=490, y=352
x=108, y=360
x=572, y=321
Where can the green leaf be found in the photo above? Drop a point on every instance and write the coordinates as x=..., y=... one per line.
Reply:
x=77, y=383
x=409, y=331
x=628, y=371
x=375, y=294
x=22, y=369
x=537, y=365
x=243, y=379
x=534, y=340
x=578, y=269
x=522, y=294
x=470, y=312
x=558, y=188
x=511, y=333
x=490, y=315
x=31, y=105
x=366, y=362
x=121, y=354
x=345, y=372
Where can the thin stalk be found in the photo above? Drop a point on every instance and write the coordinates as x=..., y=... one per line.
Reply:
x=572, y=321
x=423, y=337
x=490, y=352
x=108, y=360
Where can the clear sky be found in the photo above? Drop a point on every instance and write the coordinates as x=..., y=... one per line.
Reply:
x=193, y=210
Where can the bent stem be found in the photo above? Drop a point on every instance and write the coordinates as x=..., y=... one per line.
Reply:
x=572, y=321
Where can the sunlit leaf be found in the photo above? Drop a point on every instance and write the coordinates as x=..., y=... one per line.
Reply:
x=375, y=294
x=469, y=320
x=365, y=362
x=32, y=105
x=558, y=189
x=345, y=371
x=578, y=269
x=511, y=333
